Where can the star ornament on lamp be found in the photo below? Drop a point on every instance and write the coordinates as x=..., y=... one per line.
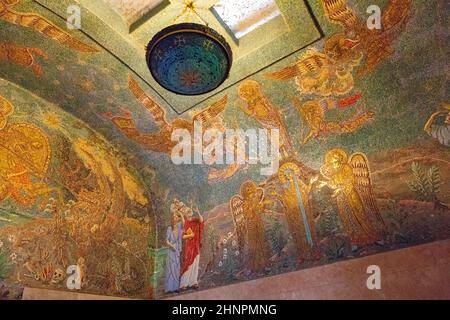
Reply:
x=189, y=58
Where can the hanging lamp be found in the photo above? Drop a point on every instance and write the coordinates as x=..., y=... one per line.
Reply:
x=189, y=58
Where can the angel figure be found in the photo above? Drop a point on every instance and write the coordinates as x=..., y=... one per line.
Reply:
x=161, y=141
x=349, y=178
x=257, y=105
x=41, y=25
x=313, y=113
x=324, y=73
x=298, y=208
x=331, y=71
x=247, y=209
x=375, y=44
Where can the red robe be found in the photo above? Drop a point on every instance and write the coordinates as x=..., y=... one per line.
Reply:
x=192, y=246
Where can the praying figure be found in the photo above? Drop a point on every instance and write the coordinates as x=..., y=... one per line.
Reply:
x=192, y=236
x=174, y=241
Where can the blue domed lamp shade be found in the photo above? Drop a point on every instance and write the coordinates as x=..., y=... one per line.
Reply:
x=189, y=59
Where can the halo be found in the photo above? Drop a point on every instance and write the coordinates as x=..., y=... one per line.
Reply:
x=288, y=170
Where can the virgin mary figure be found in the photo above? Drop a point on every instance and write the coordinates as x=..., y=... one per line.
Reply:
x=174, y=240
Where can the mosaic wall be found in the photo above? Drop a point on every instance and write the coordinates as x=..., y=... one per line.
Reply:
x=87, y=178
x=68, y=199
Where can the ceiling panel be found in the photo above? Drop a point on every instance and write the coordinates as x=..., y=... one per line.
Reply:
x=278, y=38
x=132, y=10
x=244, y=16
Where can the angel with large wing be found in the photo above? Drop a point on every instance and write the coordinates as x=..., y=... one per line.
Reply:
x=161, y=141
x=41, y=25
x=349, y=178
x=324, y=73
x=313, y=113
x=247, y=209
x=331, y=71
x=376, y=44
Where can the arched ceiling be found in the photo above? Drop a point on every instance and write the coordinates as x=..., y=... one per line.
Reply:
x=94, y=85
x=124, y=28
x=372, y=102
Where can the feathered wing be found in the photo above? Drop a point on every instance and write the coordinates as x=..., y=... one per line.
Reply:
x=310, y=64
x=337, y=11
x=209, y=115
x=237, y=210
x=284, y=74
x=376, y=52
x=356, y=121
x=361, y=172
x=47, y=28
x=396, y=14
x=158, y=113
x=298, y=105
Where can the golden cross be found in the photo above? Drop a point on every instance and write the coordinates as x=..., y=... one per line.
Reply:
x=190, y=8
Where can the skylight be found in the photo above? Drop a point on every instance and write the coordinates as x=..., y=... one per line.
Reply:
x=244, y=16
x=132, y=10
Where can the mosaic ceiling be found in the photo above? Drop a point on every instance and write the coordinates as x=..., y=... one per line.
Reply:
x=273, y=41
x=375, y=102
x=90, y=85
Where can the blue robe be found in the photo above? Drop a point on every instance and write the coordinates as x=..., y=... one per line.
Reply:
x=173, y=259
